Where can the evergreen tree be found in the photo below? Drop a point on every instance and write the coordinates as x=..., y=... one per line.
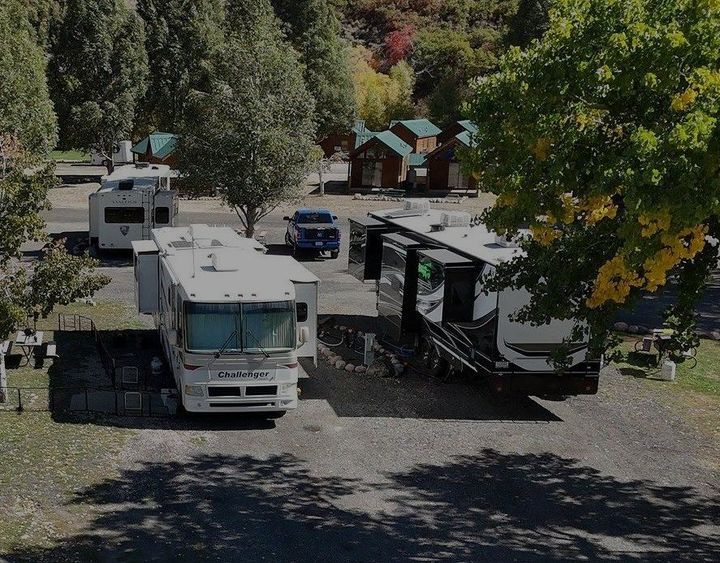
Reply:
x=97, y=71
x=250, y=133
x=179, y=39
x=314, y=30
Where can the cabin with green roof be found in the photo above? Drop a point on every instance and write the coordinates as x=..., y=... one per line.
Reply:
x=344, y=142
x=420, y=134
x=464, y=126
x=158, y=148
x=380, y=162
x=444, y=172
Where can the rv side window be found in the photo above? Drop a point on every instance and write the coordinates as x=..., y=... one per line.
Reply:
x=162, y=215
x=302, y=312
x=124, y=215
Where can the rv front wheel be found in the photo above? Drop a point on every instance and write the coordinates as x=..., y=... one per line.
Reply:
x=334, y=254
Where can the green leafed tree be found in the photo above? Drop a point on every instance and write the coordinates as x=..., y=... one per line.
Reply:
x=26, y=112
x=179, y=39
x=604, y=138
x=97, y=73
x=250, y=134
x=27, y=133
x=314, y=30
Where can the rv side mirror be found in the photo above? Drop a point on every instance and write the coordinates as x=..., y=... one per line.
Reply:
x=335, y=217
x=286, y=218
x=172, y=337
x=304, y=334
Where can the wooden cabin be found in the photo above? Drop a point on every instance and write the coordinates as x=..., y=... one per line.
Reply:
x=444, y=172
x=380, y=162
x=157, y=148
x=344, y=142
x=455, y=129
x=420, y=134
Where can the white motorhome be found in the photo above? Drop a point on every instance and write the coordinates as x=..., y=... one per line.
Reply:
x=131, y=201
x=233, y=320
x=428, y=266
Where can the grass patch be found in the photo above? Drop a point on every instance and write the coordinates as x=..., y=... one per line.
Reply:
x=70, y=155
x=44, y=460
x=704, y=378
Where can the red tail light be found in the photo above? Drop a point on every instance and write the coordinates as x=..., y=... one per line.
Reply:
x=291, y=366
x=190, y=367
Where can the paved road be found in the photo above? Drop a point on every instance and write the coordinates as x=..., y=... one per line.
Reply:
x=371, y=469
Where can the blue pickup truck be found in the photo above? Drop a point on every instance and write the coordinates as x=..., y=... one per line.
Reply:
x=313, y=230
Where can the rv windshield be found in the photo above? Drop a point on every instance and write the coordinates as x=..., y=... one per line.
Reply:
x=268, y=326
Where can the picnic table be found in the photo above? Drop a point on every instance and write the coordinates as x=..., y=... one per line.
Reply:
x=28, y=343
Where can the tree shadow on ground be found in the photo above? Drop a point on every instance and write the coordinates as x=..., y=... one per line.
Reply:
x=492, y=507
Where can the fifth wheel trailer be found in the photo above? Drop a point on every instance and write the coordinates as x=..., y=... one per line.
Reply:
x=233, y=321
x=428, y=266
x=131, y=201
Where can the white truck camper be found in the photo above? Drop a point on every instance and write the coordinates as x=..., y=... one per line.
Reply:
x=428, y=266
x=233, y=321
x=131, y=201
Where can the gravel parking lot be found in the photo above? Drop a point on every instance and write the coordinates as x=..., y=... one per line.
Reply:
x=371, y=469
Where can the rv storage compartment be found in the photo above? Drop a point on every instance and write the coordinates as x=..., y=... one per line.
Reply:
x=397, y=286
x=365, y=247
x=446, y=286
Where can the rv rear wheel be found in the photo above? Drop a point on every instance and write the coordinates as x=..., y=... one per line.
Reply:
x=276, y=414
x=439, y=366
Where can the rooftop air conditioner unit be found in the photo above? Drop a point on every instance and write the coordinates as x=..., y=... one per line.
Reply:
x=507, y=242
x=455, y=219
x=224, y=262
x=412, y=208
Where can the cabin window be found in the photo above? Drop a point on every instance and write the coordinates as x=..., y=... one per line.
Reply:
x=162, y=215
x=302, y=312
x=126, y=215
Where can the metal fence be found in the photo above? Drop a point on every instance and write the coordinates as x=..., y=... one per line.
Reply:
x=87, y=400
x=74, y=322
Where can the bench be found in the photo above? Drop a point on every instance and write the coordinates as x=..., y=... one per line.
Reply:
x=51, y=350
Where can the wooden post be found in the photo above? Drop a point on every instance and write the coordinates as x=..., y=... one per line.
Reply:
x=3, y=379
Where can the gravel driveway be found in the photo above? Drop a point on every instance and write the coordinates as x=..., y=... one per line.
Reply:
x=371, y=469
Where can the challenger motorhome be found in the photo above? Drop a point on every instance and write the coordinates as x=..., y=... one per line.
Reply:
x=233, y=320
x=428, y=266
x=131, y=201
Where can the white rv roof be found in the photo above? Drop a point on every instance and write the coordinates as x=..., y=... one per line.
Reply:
x=128, y=171
x=475, y=242
x=215, y=264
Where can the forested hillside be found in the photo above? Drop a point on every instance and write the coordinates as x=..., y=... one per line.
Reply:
x=430, y=50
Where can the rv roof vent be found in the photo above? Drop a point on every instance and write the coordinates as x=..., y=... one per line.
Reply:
x=125, y=185
x=224, y=262
x=455, y=219
x=142, y=164
x=181, y=244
